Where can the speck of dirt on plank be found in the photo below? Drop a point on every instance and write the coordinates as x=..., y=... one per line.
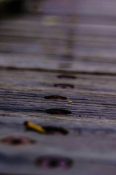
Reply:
x=58, y=111
x=55, y=97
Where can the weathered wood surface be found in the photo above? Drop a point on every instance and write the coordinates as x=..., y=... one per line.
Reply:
x=91, y=47
x=49, y=82
x=28, y=95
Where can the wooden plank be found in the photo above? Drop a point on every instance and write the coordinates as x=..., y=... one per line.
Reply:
x=64, y=80
x=28, y=61
x=25, y=40
x=91, y=126
x=44, y=80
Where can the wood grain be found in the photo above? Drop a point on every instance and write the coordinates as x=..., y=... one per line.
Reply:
x=22, y=97
x=25, y=43
x=58, y=80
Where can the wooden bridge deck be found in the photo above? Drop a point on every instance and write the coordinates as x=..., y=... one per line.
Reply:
x=75, y=91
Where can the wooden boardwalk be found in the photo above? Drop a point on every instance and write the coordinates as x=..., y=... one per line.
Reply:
x=69, y=87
